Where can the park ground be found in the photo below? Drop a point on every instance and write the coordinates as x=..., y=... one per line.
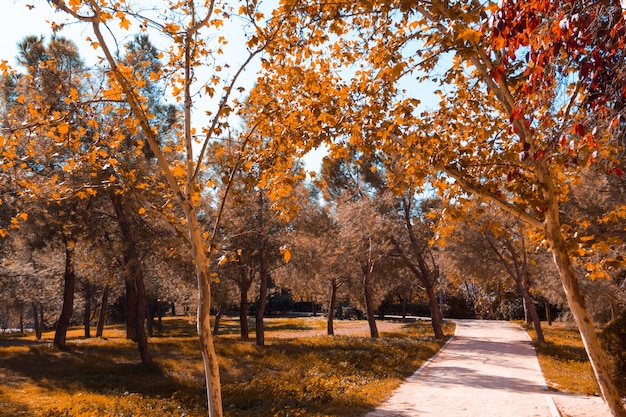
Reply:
x=342, y=376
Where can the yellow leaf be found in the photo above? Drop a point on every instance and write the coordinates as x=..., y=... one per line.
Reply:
x=124, y=24
x=470, y=35
x=286, y=252
x=63, y=128
x=142, y=211
x=287, y=255
x=23, y=216
x=3, y=232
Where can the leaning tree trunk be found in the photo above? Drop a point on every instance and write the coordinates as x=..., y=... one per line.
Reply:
x=69, y=283
x=427, y=281
x=102, y=314
x=332, y=305
x=435, y=312
x=134, y=275
x=422, y=272
x=529, y=304
x=597, y=357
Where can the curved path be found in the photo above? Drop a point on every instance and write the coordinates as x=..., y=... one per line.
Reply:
x=489, y=369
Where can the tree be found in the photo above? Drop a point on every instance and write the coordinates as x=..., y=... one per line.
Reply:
x=319, y=267
x=365, y=248
x=415, y=248
x=497, y=239
x=497, y=132
x=186, y=26
x=52, y=76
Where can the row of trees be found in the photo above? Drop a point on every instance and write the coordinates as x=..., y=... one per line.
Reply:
x=531, y=105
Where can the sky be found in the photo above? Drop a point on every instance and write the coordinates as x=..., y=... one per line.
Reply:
x=18, y=21
x=20, y=18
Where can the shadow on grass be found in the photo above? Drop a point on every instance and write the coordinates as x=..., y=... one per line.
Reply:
x=102, y=369
x=562, y=352
x=313, y=377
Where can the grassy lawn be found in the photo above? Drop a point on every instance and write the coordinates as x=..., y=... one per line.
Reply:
x=291, y=376
x=563, y=359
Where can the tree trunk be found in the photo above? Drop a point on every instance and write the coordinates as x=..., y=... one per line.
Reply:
x=150, y=305
x=130, y=307
x=525, y=308
x=244, y=305
x=205, y=337
x=403, y=303
x=42, y=323
x=369, y=304
x=332, y=305
x=435, y=312
x=69, y=283
x=529, y=307
x=421, y=270
x=216, y=323
x=260, y=307
x=87, y=312
x=22, y=320
x=102, y=315
x=134, y=276
x=548, y=313
x=36, y=323
x=160, y=308
x=263, y=275
x=597, y=357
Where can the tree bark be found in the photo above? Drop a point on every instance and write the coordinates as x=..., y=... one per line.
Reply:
x=216, y=323
x=548, y=313
x=104, y=305
x=69, y=284
x=332, y=305
x=421, y=271
x=134, y=277
x=533, y=316
x=435, y=312
x=597, y=357
x=36, y=323
x=369, y=303
x=130, y=306
x=150, y=306
x=87, y=310
x=263, y=275
x=243, y=313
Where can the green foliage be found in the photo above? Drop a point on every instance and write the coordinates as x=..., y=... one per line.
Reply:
x=305, y=376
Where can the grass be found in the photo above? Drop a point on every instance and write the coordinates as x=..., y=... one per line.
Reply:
x=564, y=361
x=294, y=376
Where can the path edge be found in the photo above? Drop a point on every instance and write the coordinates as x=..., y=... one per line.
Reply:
x=432, y=358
